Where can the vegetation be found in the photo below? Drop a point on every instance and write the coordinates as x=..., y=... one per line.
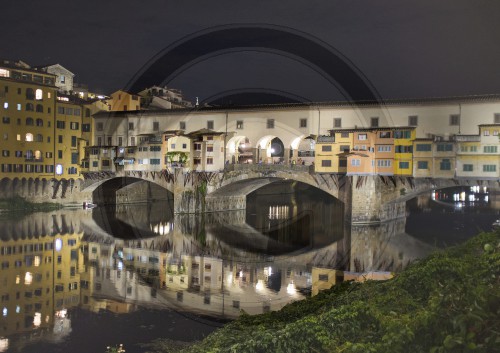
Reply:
x=448, y=302
x=20, y=204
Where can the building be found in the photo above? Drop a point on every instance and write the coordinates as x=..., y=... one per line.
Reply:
x=64, y=77
x=123, y=101
x=157, y=97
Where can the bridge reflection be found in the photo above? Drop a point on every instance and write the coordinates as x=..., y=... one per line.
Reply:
x=216, y=264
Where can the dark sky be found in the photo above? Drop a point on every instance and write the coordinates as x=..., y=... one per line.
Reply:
x=406, y=49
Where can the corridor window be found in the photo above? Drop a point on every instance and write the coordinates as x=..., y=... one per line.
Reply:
x=454, y=119
x=413, y=120
x=337, y=122
x=270, y=123
x=490, y=149
x=422, y=165
x=210, y=124
x=355, y=162
x=374, y=122
x=468, y=167
x=239, y=124
x=303, y=123
x=489, y=168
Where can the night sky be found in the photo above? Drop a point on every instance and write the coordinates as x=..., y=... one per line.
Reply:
x=405, y=49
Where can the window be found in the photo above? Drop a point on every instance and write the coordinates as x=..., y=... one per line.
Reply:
x=362, y=137
x=337, y=122
x=210, y=124
x=39, y=108
x=73, y=141
x=60, y=124
x=100, y=126
x=403, y=149
x=468, y=167
x=182, y=125
x=445, y=164
x=423, y=147
x=62, y=79
x=413, y=120
x=385, y=134
x=5, y=153
x=374, y=122
x=496, y=118
x=155, y=161
x=404, y=165
x=60, y=139
x=422, y=165
x=77, y=112
x=99, y=140
x=326, y=148
x=59, y=154
x=303, y=123
x=402, y=134
x=210, y=160
x=444, y=147
x=239, y=124
x=30, y=107
x=39, y=122
x=85, y=127
x=29, y=137
x=6, y=120
x=355, y=162
x=486, y=133
x=384, y=148
x=120, y=141
x=270, y=123
x=384, y=163
x=490, y=149
x=74, y=126
x=454, y=119
x=156, y=126
x=110, y=140
x=105, y=163
x=132, y=141
x=489, y=168
x=326, y=163
x=345, y=148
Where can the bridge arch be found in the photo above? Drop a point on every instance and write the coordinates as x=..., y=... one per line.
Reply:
x=124, y=189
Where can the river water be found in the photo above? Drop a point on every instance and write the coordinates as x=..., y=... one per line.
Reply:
x=80, y=280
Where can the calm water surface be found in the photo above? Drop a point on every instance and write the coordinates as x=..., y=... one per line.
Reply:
x=78, y=281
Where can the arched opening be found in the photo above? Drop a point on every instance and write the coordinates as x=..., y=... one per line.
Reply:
x=30, y=93
x=30, y=107
x=39, y=122
x=239, y=150
x=29, y=137
x=39, y=108
x=302, y=150
x=29, y=121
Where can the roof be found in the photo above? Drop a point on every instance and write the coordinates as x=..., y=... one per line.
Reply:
x=317, y=105
x=370, y=129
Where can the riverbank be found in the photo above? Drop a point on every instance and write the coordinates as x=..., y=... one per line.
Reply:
x=448, y=302
x=22, y=206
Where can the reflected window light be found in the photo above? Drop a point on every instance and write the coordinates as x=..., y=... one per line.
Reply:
x=28, y=278
x=120, y=265
x=18, y=279
x=260, y=285
x=47, y=319
x=4, y=344
x=230, y=278
x=485, y=189
x=36, y=261
x=18, y=309
x=58, y=244
x=486, y=198
x=5, y=311
x=61, y=313
x=290, y=289
x=240, y=274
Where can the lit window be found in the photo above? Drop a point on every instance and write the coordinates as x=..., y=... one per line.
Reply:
x=29, y=137
x=6, y=105
x=19, y=106
x=38, y=94
x=59, y=169
x=28, y=278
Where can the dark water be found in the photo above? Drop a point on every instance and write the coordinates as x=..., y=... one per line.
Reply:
x=78, y=281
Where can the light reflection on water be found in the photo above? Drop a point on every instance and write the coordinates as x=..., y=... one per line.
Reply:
x=138, y=260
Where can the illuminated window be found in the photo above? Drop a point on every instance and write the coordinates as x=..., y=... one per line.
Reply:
x=6, y=105
x=38, y=94
x=28, y=278
x=19, y=106
x=59, y=169
x=36, y=261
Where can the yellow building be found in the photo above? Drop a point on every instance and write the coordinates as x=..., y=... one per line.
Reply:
x=68, y=144
x=123, y=101
x=27, y=101
x=403, y=150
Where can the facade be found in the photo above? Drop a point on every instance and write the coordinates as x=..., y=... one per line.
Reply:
x=28, y=102
x=157, y=97
x=64, y=77
x=123, y=101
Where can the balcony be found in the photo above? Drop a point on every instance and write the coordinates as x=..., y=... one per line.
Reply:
x=467, y=138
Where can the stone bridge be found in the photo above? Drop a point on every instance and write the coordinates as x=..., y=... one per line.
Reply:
x=366, y=198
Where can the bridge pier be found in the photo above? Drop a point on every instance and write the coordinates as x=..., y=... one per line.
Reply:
x=373, y=201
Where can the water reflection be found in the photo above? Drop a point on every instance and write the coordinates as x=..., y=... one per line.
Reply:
x=57, y=266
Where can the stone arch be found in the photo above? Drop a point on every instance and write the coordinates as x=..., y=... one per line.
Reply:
x=302, y=150
x=128, y=189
